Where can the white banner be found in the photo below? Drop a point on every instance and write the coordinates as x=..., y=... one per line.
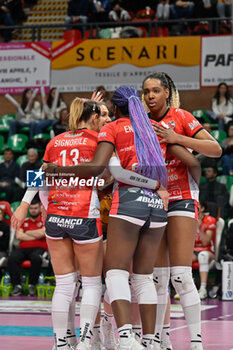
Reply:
x=24, y=65
x=217, y=60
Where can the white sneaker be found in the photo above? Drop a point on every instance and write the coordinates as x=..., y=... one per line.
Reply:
x=67, y=347
x=198, y=346
x=96, y=345
x=202, y=293
x=83, y=346
x=108, y=335
x=156, y=346
x=72, y=347
x=166, y=345
x=132, y=344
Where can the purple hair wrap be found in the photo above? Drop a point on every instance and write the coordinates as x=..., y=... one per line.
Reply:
x=150, y=159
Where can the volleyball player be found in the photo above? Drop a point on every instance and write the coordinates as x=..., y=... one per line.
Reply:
x=136, y=221
x=162, y=100
x=65, y=270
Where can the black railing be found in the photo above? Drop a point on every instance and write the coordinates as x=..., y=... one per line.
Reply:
x=152, y=26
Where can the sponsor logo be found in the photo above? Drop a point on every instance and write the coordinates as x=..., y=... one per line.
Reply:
x=152, y=202
x=134, y=189
x=193, y=125
x=65, y=222
x=35, y=178
x=102, y=134
x=171, y=124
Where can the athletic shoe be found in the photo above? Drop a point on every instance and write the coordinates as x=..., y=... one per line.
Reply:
x=156, y=346
x=197, y=346
x=17, y=291
x=166, y=345
x=67, y=347
x=108, y=335
x=202, y=293
x=96, y=345
x=213, y=292
x=133, y=344
x=176, y=296
x=72, y=347
x=31, y=290
x=83, y=346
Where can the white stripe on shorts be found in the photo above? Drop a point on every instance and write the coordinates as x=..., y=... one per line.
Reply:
x=88, y=240
x=138, y=221
x=188, y=214
x=78, y=242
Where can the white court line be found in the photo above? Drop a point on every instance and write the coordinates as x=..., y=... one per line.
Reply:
x=185, y=326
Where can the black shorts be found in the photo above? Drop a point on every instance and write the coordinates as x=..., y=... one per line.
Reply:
x=80, y=230
x=138, y=206
x=183, y=207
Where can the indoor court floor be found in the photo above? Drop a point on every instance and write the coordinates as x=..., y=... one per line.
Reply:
x=25, y=324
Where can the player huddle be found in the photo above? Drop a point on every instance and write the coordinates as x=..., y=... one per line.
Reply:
x=152, y=220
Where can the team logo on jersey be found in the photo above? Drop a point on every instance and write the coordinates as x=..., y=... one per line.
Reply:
x=193, y=125
x=172, y=124
x=35, y=178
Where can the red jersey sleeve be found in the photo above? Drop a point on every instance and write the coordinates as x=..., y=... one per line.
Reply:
x=190, y=124
x=210, y=223
x=108, y=134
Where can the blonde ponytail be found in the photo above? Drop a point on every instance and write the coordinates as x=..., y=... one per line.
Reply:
x=76, y=110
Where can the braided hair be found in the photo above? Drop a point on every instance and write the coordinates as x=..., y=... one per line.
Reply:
x=150, y=159
x=173, y=100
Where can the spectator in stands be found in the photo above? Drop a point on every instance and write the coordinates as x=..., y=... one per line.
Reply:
x=32, y=246
x=204, y=246
x=32, y=164
x=207, y=127
x=227, y=159
x=51, y=112
x=205, y=8
x=4, y=236
x=118, y=13
x=6, y=208
x=78, y=12
x=222, y=105
x=29, y=114
x=6, y=18
x=163, y=10
x=101, y=9
x=214, y=191
x=9, y=170
x=181, y=9
x=224, y=8
x=60, y=125
x=229, y=140
x=17, y=11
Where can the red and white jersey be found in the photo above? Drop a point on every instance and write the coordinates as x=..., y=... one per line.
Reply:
x=28, y=225
x=74, y=199
x=6, y=207
x=181, y=185
x=121, y=134
x=208, y=223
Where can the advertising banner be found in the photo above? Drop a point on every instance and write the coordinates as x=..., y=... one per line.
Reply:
x=82, y=65
x=217, y=60
x=24, y=65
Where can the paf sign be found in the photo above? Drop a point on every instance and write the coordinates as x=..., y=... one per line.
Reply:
x=217, y=60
